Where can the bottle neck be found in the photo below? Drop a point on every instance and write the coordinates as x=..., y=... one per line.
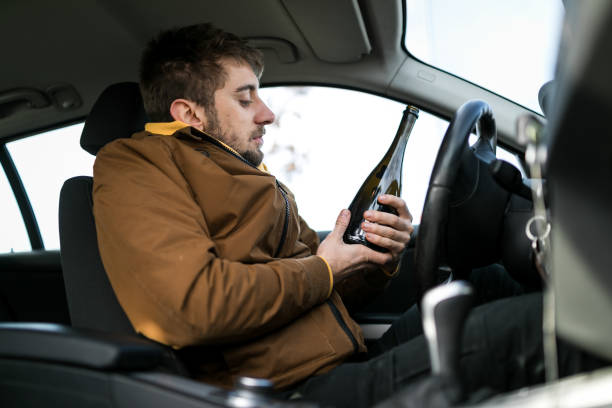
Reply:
x=398, y=146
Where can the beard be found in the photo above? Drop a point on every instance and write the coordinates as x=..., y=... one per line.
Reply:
x=254, y=156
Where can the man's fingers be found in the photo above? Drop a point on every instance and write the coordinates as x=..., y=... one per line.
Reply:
x=375, y=257
x=396, y=202
x=341, y=223
x=399, y=235
x=395, y=247
x=391, y=220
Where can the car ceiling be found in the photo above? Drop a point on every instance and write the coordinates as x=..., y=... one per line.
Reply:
x=91, y=44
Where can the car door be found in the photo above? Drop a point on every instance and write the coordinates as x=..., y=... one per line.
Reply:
x=34, y=168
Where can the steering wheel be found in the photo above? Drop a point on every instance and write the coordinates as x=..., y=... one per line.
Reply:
x=432, y=234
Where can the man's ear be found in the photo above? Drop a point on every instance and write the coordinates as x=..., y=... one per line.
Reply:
x=188, y=112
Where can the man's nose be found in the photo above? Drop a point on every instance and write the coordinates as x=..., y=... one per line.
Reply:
x=265, y=116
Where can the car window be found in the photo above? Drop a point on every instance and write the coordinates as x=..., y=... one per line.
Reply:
x=514, y=58
x=13, y=235
x=44, y=161
x=325, y=141
x=323, y=144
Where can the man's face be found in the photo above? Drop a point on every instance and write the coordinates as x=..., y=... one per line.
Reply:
x=239, y=114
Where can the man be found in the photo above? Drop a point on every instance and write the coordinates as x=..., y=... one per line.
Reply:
x=205, y=248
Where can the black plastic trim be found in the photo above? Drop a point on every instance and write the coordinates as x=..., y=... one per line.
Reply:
x=43, y=129
x=77, y=347
x=376, y=318
x=25, y=207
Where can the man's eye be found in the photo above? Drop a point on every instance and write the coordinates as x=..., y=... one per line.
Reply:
x=245, y=103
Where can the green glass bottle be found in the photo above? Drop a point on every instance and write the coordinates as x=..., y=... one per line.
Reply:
x=386, y=178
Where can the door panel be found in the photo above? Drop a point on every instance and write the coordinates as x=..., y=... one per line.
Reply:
x=32, y=287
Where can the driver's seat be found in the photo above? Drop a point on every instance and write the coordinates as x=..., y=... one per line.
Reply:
x=42, y=363
x=92, y=304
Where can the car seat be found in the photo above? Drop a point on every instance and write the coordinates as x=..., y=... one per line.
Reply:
x=92, y=304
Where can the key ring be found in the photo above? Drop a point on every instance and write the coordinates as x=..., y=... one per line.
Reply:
x=531, y=235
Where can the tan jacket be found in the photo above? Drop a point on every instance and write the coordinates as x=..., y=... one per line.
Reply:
x=204, y=249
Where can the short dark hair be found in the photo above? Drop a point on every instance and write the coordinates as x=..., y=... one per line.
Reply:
x=186, y=63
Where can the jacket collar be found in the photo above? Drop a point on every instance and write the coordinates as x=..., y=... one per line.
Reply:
x=165, y=128
x=170, y=128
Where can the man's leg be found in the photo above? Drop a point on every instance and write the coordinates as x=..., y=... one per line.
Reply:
x=490, y=283
x=501, y=350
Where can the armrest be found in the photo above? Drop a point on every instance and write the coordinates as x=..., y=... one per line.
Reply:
x=87, y=348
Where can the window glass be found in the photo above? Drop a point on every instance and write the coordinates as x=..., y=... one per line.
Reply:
x=325, y=142
x=13, y=234
x=509, y=47
x=44, y=162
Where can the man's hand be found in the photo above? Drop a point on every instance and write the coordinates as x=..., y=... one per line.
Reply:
x=386, y=230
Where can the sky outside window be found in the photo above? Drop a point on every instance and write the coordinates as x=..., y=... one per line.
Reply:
x=44, y=162
x=508, y=47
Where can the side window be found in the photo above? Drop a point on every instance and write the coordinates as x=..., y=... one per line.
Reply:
x=325, y=141
x=13, y=234
x=44, y=162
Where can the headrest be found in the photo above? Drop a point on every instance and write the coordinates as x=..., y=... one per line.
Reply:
x=546, y=96
x=118, y=112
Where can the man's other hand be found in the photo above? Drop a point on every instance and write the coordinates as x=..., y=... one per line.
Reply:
x=386, y=230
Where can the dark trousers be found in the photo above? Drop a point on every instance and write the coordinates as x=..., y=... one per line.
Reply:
x=501, y=351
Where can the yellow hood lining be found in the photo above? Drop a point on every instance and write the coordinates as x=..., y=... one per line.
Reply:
x=170, y=128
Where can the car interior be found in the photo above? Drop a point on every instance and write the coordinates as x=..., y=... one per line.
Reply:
x=66, y=341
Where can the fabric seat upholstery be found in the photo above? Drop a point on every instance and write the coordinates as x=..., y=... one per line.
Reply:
x=92, y=303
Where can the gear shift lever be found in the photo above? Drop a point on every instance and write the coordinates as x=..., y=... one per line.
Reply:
x=444, y=311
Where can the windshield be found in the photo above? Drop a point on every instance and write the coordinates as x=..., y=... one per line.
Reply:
x=508, y=47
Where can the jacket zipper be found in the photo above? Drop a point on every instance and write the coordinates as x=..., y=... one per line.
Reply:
x=286, y=226
x=342, y=324
x=283, y=193
x=218, y=144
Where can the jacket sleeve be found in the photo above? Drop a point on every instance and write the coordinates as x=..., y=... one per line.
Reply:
x=309, y=236
x=162, y=263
